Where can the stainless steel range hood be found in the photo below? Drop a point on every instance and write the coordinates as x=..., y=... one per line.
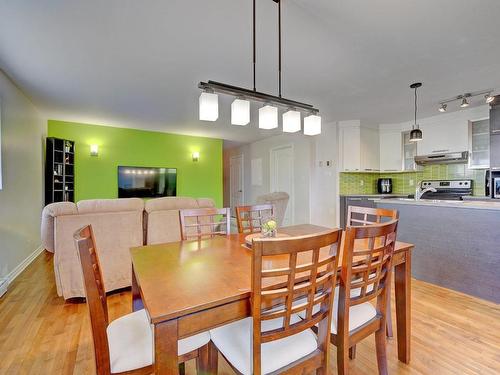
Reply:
x=444, y=158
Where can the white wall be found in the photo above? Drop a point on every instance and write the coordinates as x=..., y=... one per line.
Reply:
x=324, y=178
x=21, y=198
x=315, y=187
x=302, y=146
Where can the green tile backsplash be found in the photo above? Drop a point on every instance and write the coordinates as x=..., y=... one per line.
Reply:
x=405, y=182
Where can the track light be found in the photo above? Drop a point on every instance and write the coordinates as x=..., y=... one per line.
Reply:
x=465, y=103
x=489, y=98
x=442, y=108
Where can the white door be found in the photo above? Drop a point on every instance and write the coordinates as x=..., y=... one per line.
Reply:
x=282, y=177
x=236, y=180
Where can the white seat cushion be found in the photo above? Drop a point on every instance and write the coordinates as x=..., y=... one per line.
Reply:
x=358, y=314
x=131, y=344
x=234, y=341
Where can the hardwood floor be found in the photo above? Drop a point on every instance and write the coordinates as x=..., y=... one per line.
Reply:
x=41, y=334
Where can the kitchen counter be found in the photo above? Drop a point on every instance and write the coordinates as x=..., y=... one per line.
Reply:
x=375, y=195
x=470, y=204
x=457, y=243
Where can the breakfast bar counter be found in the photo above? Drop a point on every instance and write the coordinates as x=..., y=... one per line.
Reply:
x=457, y=243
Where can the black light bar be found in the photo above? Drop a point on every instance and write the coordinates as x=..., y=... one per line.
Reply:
x=217, y=87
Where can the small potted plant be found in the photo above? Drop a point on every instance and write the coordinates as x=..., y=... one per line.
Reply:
x=269, y=228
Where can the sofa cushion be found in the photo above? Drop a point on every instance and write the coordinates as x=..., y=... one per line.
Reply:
x=90, y=206
x=170, y=203
x=47, y=226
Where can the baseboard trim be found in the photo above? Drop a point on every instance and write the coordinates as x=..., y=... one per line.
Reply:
x=12, y=275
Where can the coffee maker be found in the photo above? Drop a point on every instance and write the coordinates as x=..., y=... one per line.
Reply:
x=384, y=185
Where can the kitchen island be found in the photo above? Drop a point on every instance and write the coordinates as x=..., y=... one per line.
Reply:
x=457, y=243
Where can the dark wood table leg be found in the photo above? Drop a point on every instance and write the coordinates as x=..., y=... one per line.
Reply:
x=166, y=359
x=136, y=294
x=402, y=276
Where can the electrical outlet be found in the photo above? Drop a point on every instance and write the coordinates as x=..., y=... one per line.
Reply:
x=361, y=183
x=411, y=182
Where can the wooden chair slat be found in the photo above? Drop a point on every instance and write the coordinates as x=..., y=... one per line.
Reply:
x=205, y=222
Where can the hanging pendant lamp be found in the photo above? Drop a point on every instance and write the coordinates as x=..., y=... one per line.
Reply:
x=416, y=133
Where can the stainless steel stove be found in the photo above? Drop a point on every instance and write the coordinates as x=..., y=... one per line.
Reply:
x=446, y=189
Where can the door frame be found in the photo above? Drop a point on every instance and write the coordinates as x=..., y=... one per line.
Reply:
x=291, y=205
x=242, y=181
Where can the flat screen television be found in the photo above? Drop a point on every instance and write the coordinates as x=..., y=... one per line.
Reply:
x=146, y=182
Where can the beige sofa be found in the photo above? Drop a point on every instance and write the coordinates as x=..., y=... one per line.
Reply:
x=118, y=225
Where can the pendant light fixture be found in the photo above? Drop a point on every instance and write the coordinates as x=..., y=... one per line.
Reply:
x=268, y=113
x=416, y=133
x=240, y=112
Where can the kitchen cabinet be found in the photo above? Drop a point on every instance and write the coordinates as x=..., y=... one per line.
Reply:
x=359, y=148
x=495, y=119
x=479, y=144
x=350, y=148
x=495, y=151
x=390, y=150
x=444, y=137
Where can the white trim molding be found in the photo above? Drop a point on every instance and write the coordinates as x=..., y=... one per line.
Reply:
x=12, y=275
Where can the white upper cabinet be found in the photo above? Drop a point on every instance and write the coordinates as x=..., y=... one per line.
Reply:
x=358, y=147
x=447, y=136
x=350, y=148
x=390, y=150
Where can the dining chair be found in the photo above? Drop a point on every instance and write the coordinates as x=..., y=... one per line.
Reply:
x=365, y=275
x=125, y=345
x=249, y=218
x=204, y=222
x=359, y=216
x=289, y=276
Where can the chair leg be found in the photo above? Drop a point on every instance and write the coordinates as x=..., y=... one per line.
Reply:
x=182, y=368
x=380, y=346
x=352, y=352
x=342, y=360
x=388, y=314
x=206, y=363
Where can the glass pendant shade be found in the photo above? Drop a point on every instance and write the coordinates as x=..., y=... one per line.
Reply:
x=268, y=117
x=209, y=106
x=415, y=135
x=291, y=121
x=312, y=125
x=240, y=112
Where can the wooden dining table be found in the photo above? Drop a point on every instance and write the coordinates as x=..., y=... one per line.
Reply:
x=192, y=286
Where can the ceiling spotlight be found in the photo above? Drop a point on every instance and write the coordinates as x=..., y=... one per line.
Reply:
x=442, y=108
x=465, y=103
x=489, y=98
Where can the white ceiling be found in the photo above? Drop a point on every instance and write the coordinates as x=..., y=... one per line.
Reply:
x=137, y=63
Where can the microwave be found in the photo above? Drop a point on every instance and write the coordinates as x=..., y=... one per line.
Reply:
x=496, y=187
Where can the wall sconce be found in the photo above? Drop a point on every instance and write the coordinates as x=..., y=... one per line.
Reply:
x=94, y=150
x=196, y=156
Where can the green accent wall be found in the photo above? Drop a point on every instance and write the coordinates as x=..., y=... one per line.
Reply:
x=405, y=182
x=97, y=176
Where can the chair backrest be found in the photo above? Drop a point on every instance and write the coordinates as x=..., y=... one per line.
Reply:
x=250, y=218
x=366, y=264
x=96, y=295
x=358, y=216
x=287, y=270
x=204, y=222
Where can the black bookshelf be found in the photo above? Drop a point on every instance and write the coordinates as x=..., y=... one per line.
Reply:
x=59, y=170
